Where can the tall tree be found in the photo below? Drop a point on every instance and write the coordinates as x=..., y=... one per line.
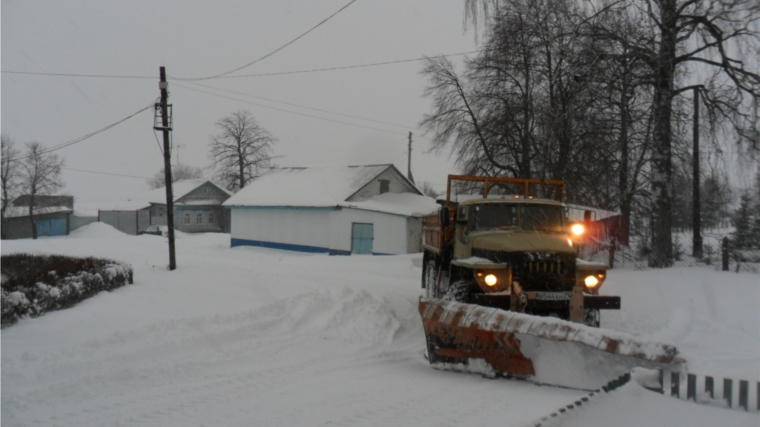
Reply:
x=241, y=151
x=179, y=172
x=673, y=39
x=11, y=176
x=710, y=35
x=42, y=176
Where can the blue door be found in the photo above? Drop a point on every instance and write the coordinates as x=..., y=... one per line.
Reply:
x=362, y=236
x=50, y=227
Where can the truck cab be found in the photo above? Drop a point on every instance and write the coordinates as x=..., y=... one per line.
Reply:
x=515, y=252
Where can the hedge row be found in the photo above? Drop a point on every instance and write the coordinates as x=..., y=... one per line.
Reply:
x=32, y=285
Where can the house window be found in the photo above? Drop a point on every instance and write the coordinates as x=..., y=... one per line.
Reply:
x=199, y=218
x=384, y=186
x=210, y=217
x=204, y=191
x=186, y=220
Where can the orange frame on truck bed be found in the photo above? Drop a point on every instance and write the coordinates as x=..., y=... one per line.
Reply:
x=525, y=182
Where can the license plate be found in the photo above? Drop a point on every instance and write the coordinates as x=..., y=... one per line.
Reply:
x=553, y=296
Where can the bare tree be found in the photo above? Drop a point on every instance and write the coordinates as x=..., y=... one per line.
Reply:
x=179, y=172
x=11, y=175
x=241, y=151
x=428, y=189
x=709, y=35
x=41, y=176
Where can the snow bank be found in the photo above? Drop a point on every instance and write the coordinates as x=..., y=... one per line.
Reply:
x=97, y=230
x=253, y=336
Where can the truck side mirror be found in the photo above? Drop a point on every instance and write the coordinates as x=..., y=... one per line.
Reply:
x=444, y=213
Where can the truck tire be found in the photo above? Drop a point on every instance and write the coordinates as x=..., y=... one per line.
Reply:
x=458, y=291
x=430, y=273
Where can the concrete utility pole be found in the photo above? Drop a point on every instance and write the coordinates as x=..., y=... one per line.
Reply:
x=166, y=128
x=409, y=161
x=696, y=218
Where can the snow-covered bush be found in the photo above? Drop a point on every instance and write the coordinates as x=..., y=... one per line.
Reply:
x=35, y=284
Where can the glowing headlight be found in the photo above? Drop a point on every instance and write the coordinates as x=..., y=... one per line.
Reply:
x=591, y=281
x=491, y=280
x=577, y=229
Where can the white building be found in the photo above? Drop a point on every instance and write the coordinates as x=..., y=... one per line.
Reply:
x=331, y=209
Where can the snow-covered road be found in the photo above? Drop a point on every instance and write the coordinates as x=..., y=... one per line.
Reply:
x=246, y=336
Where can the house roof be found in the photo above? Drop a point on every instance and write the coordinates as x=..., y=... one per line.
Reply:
x=180, y=189
x=406, y=204
x=23, y=211
x=321, y=186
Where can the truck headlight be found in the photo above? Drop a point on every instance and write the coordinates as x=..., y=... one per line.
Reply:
x=577, y=229
x=591, y=281
x=495, y=280
x=491, y=280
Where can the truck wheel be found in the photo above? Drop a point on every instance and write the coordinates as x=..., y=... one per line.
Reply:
x=592, y=317
x=430, y=275
x=458, y=291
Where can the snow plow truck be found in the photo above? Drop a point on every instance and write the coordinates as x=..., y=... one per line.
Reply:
x=505, y=290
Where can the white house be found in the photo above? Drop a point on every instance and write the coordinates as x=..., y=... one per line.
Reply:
x=338, y=210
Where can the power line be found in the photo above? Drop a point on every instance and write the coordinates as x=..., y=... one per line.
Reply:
x=274, y=51
x=279, y=73
x=101, y=76
x=303, y=106
x=289, y=111
x=346, y=67
x=106, y=173
x=286, y=111
x=84, y=137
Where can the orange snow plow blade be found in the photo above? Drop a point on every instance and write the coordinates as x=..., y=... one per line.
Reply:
x=542, y=349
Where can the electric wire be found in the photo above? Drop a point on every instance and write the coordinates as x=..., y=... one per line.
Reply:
x=429, y=145
x=84, y=137
x=274, y=51
x=346, y=67
x=278, y=73
x=106, y=173
x=99, y=76
x=303, y=106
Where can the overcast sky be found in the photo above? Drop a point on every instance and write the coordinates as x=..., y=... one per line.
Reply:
x=204, y=38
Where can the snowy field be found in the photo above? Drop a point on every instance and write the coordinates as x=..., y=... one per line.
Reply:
x=258, y=337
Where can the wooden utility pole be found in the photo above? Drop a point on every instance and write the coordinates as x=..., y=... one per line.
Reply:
x=696, y=219
x=166, y=128
x=409, y=160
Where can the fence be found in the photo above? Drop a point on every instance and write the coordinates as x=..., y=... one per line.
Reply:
x=704, y=389
x=606, y=242
x=129, y=222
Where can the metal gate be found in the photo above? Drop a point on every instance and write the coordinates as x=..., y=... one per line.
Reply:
x=362, y=236
x=50, y=227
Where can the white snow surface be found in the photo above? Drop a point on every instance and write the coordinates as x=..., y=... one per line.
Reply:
x=252, y=336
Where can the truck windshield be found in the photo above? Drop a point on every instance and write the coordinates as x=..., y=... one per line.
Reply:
x=542, y=218
x=490, y=216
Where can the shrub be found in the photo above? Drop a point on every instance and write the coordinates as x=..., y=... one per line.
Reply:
x=32, y=285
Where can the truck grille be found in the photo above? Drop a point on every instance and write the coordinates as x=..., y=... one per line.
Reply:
x=546, y=267
x=536, y=271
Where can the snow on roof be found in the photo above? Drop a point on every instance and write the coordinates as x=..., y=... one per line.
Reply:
x=179, y=189
x=406, y=204
x=320, y=186
x=22, y=211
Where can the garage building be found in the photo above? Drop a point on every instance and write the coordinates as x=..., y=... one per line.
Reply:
x=339, y=210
